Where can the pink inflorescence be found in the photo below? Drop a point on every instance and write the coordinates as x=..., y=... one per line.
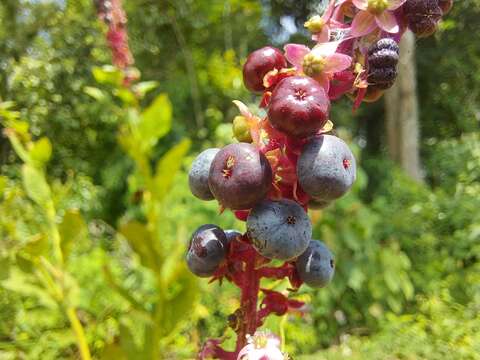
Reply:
x=287, y=161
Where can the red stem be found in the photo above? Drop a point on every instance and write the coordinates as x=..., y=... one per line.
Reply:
x=249, y=301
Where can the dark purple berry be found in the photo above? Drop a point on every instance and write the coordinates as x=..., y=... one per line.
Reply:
x=198, y=175
x=422, y=16
x=382, y=63
x=326, y=168
x=207, y=250
x=279, y=229
x=445, y=5
x=258, y=64
x=316, y=265
x=299, y=106
x=240, y=176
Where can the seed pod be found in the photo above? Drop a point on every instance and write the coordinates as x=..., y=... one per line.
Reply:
x=422, y=16
x=382, y=63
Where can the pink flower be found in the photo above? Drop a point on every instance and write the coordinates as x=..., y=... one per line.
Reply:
x=375, y=13
x=262, y=346
x=320, y=63
x=319, y=26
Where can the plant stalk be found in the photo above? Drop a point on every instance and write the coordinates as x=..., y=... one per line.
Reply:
x=79, y=334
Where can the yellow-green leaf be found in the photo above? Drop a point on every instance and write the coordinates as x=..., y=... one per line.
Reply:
x=181, y=304
x=155, y=121
x=94, y=92
x=167, y=167
x=107, y=75
x=140, y=240
x=41, y=151
x=36, y=185
x=72, y=229
x=144, y=87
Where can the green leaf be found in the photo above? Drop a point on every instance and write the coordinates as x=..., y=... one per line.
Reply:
x=181, y=304
x=144, y=87
x=107, y=75
x=27, y=285
x=3, y=185
x=36, y=246
x=167, y=167
x=41, y=151
x=125, y=95
x=36, y=185
x=155, y=121
x=140, y=240
x=94, y=92
x=72, y=230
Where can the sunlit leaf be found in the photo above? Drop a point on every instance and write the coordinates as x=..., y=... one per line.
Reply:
x=107, y=74
x=41, y=151
x=140, y=240
x=144, y=87
x=94, y=92
x=167, y=168
x=155, y=121
x=36, y=185
x=72, y=230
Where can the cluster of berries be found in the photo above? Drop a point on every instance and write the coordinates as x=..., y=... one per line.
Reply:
x=286, y=161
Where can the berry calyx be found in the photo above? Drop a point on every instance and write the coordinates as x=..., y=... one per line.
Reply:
x=258, y=64
x=299, y=106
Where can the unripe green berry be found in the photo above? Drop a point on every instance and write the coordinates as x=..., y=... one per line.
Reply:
x=241, y=130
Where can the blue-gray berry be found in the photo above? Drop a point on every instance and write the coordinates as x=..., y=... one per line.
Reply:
x=198, y=175
x=326, y=168
x=316, y=265
x=279, y=229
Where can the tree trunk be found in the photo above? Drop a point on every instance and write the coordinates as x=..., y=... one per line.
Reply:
x=401, y=112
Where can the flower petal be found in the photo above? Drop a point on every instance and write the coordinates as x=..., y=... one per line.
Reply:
x=337, y=62
x=362, y=24
x=324, y=80
x=329, y=11
x=387, y=22
x=395, y=4
x=295, y=53
x=360, y=4
x=323, y=36
x=326, y=49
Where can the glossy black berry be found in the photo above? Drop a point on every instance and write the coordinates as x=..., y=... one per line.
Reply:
x=207, y=250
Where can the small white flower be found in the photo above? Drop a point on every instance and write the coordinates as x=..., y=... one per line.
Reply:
x=262, y=346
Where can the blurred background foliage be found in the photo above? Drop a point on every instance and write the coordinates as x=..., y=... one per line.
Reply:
x=408, y=274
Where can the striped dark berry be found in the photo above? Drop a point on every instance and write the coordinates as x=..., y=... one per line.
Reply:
x=422, y=16
x=382, y=63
